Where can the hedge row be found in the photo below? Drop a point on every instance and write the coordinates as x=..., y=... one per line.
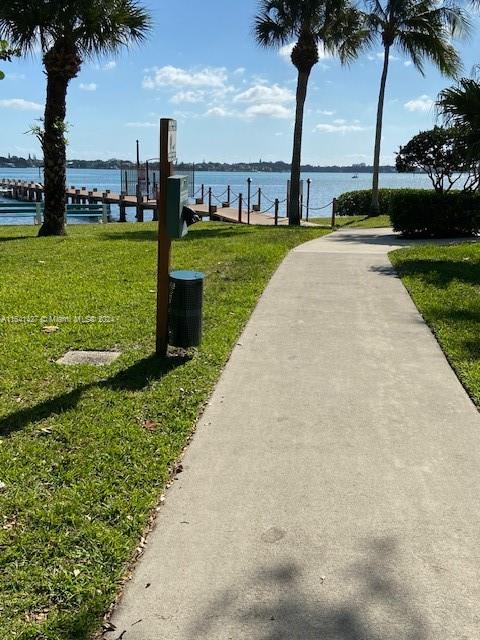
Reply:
x=419, y=211
x=428, y=213
x=357, y=203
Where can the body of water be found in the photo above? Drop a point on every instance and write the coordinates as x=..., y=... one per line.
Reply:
x=324, y=186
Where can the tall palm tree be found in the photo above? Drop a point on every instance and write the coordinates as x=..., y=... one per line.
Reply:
x=421, y=30
x=68, y=32
x=460, y=107
x=333, y=24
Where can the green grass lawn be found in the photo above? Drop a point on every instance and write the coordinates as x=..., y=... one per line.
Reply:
x=85, y=452
x=444, y=282
x=358, y=222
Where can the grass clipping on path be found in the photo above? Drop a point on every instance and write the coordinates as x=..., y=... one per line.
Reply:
x=85, y=451
x=444, y=282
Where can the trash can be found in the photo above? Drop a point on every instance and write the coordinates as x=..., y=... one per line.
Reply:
x=185, y=311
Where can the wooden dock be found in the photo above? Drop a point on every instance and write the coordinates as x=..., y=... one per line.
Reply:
x=33, y=192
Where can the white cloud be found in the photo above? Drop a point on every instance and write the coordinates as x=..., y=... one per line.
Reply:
x=286, y=52
x=141, y=125
x=239, y=72
x=261, y=93
x=192, y=97
x=325, y=112
x=340, y=127
x=270, y=110
x=91, y=86
x=220, y=112
x=408, y=63
x=109, y=66
x=20, y=104
x=177, y=77
x=253, y=111
x=339, y=121
x=422, y=103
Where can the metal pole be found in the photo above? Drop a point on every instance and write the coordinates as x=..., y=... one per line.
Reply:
x=138, y=168
x=148, y=180
x=203, y=193
x=249, y=189
x=309, y=182
x=209, y=200
x=193, y=179
x=276, y=212
x=301, y=199
x=228, y=195
x=259, y=199
x=240, y=205
x=334, y=211
x=164, y=242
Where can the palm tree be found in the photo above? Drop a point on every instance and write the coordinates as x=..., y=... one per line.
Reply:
x=68, y=32
x=336, y=25
x=421, y=30
x=460, y=107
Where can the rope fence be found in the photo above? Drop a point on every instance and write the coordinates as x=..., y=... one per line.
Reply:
x=252, y=202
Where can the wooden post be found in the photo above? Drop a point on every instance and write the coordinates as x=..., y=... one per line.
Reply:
x=209, y=200
x=240, y=205
x=164, y=242
x=259, y=203
x=126, y=182
x=228, y=194
x=203, y=193
x=139, y=214
x=249, y=195
x=123, y=209
x=334, y=212
x=309, y=182
x=276, y=212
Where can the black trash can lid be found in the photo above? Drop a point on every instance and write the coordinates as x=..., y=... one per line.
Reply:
x=187, y=275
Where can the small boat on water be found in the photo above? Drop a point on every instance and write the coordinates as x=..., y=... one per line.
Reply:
x=355, y=176
x=5, y=192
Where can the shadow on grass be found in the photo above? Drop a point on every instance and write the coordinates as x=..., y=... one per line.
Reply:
x=440, y=273
x=273, y=604
x=10, y=238
x=134, y=378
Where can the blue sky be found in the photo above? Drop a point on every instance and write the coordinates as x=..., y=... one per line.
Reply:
x=233, y=101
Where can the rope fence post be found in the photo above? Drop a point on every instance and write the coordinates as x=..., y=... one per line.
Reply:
x=301, y=199
x=309, y=182
x=334, y=212
x=276, y=212
x=259, y=203
x=228, y=195
x=203, y=193
x=249, y=195
x=209, y=200
x=240, y=204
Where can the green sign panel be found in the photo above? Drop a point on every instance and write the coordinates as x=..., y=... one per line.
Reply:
x=177, y=199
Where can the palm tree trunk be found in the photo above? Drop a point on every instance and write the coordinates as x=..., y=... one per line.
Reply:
x=375, y=205
x=54, y=155
x=294, y=203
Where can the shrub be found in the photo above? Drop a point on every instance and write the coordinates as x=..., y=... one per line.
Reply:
x=432, y=214
x=357, y=203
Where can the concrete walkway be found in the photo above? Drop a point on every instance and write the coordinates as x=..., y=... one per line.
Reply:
x=332, y=490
